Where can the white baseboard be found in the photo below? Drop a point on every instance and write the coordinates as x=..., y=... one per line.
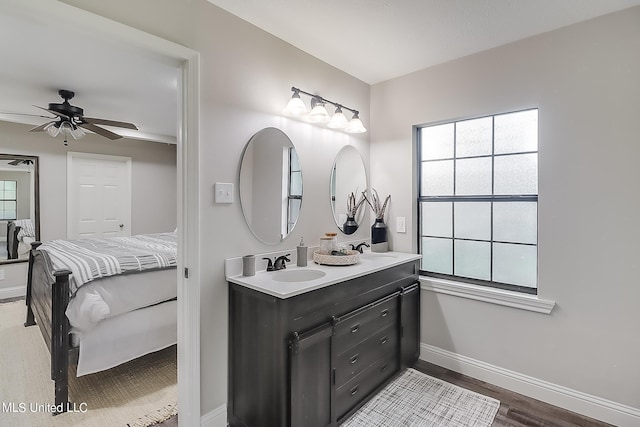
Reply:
x=215, y=418
x=16, y=291
x=573, y=400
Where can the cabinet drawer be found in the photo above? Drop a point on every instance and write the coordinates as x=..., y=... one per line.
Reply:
x=358, y=358
x=355, y=391
x=357, y=326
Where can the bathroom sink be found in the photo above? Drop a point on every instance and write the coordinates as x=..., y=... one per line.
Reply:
x=298, y=275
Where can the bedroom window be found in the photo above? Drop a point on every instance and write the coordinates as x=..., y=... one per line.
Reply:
x=478, y=200
x=8, y=199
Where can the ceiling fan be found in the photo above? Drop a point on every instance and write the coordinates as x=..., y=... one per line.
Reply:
x=70, y=120
x=18, y=162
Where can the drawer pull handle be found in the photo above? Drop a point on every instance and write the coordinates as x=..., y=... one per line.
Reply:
x=383, y=367
x=383, y=340
x=355, y=328
x=354, y=391
x=354, y=358
x=384, y=312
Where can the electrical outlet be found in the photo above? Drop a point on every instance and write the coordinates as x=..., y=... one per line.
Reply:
x=401, y=225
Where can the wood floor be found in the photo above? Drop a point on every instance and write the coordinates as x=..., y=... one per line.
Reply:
x=515, y=410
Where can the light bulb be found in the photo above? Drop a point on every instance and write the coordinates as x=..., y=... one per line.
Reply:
x=52, y=130
x=319, y=113
x=77, y=133
x=66, y=128
x=338, y=121
x=295, y=107
x=355, y=125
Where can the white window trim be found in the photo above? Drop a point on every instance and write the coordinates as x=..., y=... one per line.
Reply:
x=487, y=294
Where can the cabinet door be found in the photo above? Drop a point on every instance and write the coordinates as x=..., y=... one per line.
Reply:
x=410, y=324
x=311, y=384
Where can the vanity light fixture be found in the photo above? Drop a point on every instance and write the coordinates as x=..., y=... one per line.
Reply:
x=319, y=113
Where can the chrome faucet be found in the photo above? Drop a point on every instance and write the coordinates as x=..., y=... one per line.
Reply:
x=359, y=246
x=280, y=263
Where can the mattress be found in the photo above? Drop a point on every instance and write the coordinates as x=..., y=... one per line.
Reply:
x=126, y=337
x=115, y=295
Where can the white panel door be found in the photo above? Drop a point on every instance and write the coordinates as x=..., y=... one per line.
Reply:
x=98, y=196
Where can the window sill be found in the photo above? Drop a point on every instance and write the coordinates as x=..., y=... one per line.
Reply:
x=486, y=294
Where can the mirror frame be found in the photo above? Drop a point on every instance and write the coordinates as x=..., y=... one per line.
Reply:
x=36, y=197
x=243, y=199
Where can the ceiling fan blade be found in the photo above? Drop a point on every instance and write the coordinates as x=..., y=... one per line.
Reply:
x=64, y=116
x=41, y=127
x=25, y=114
x=105, y=122
x=99, y=130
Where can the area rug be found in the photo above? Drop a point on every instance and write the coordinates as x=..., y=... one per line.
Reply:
x=138, y=393
x=415, y=399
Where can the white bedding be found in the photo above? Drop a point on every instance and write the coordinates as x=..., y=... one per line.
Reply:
x=115, y=295
x=126, y=337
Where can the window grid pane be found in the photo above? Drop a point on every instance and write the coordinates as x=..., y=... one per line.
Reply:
x=489, y=175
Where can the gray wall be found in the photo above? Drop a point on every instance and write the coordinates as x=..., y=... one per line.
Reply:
x=245, y=77
x=153, y=168
x=584, y=80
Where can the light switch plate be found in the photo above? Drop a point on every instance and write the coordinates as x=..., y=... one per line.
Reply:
x=401, y=225
x=223, y=192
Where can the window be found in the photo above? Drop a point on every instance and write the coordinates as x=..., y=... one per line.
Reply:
x=478, y=200
x=294, y=190
x=8, y=199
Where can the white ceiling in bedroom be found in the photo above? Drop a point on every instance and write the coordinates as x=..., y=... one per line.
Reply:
x=111, y=80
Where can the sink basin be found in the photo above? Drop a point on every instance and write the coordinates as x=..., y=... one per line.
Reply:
x=297, y=275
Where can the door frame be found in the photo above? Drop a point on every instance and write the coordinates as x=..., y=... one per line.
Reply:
x=71, y=196
x=188, y=144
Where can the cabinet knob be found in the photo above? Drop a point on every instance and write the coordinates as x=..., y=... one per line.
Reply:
x=355, y=328
x=354, y=358
x=354, y=391
x=383, y=367
x=384, y=312
x=383, y=340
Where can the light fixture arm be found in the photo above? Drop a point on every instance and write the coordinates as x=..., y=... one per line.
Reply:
x=316, y=98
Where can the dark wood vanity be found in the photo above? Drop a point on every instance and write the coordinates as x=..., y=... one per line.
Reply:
x=313, y=359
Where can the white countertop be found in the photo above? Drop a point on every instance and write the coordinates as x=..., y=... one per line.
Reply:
x=369, y=262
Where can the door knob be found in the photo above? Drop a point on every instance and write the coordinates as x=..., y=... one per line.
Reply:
x=121, y=225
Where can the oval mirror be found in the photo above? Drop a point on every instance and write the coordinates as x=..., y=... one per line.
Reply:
x=270, y=185
x=348, y=181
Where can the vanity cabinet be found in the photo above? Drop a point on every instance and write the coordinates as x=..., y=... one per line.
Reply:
x=313, y=359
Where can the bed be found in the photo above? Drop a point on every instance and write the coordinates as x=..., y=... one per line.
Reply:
x=102, y=302
x=20, y=234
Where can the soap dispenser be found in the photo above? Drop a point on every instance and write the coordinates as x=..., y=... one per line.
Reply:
x=302, y=254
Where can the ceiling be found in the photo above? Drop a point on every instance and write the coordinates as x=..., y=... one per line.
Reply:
x=111, y=80
x=373, y=40
x=377, y=40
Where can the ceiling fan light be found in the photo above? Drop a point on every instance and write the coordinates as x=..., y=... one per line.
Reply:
x=338, y=120
x=355, y=125
x=77, y=133
x=52, y=130
x=66, y=128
